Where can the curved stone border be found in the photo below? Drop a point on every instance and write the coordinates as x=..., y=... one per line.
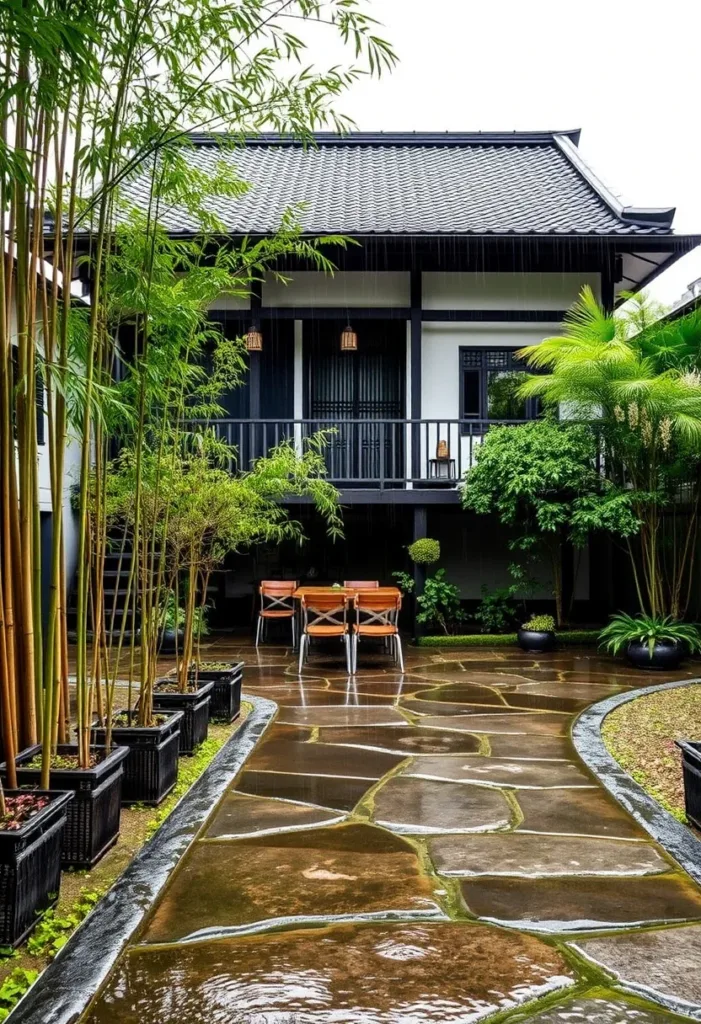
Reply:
x=64, y=990
x=675, y=838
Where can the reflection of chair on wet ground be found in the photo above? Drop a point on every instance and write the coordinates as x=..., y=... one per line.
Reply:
x=324, y=616
x=377, y=615
x=276, y=602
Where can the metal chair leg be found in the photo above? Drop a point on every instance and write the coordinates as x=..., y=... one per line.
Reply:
x=292, y=624
x=400, y=653
x=258, y=629
x=302, y=646
x=349, y=654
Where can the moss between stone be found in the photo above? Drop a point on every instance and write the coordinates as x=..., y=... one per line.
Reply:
x=81, y=890
x=641, y=735
x=566, y=636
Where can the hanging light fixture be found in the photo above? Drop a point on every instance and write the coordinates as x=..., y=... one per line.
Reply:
x=254, y=339
x=349, y=339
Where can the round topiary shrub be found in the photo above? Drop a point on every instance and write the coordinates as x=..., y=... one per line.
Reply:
x=425, y=551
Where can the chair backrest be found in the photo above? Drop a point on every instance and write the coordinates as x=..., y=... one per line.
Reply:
x=361, y=584
x=377, y=607
x=325, y=609
x=277, y=595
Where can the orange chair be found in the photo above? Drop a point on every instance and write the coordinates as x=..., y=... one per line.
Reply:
x=377, y=616
x=324, y=616
x=276, y=602
x=361, y=584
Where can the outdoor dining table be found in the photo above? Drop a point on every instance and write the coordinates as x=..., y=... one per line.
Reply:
x=308, y=591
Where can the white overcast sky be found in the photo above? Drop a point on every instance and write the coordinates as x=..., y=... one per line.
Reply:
x=628, y=74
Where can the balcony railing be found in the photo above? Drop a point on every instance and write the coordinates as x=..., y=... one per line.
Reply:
x=379, y=453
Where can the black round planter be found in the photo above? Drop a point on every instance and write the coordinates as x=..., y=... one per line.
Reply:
x=536, y=640
x=167, y=641
x=30, y=867
x=666, y=654
x=195, y=708
x=225, y=703
x=151, y=768
x=92, y=825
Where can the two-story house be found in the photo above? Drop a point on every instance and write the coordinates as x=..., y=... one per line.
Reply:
x=470, y=246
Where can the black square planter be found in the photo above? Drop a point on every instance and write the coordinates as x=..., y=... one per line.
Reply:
x=30, y=867
x=195, y=710
x=151, y=767
x=225, y=705
x=691, y=768
x=92, y=824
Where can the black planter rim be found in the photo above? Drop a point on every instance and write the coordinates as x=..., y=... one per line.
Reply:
x=58, y=798
x=217, y=674
x=173, y=718
x=192, y=695
x=106, y=766
x=690, y=747
x=541, y=633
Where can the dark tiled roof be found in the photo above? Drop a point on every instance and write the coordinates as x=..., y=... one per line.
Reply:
x=517, y=183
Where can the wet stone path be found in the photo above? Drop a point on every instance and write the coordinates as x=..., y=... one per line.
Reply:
x=417, y=849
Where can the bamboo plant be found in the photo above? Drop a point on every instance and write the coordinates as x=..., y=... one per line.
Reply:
x=91, y=93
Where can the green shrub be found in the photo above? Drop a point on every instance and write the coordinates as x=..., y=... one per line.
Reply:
x=405, y=582
x=495, y=613
x=567, y=636
x=425, y=551
x=540, y=624
x=440, y=603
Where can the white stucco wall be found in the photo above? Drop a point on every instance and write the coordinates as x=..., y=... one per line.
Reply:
x=71, y=473
x=503, y=291
x=343, y=289
x=440, y=391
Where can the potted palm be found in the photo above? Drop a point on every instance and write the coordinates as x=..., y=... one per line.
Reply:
x=537, y=634
x=651, y=641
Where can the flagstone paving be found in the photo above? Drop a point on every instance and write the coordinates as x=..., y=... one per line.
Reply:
x=417, y=849
x=535, y=856
x=663, y=963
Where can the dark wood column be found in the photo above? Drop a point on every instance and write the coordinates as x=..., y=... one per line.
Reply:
x=420, y=530
x=415, y=388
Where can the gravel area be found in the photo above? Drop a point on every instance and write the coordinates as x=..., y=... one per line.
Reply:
x=641, y=735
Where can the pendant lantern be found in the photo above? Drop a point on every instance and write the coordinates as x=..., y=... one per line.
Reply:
x=254, y=339
x=349, y=340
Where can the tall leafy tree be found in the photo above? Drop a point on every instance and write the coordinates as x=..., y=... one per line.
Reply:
x=636, y=380
x=541, y=479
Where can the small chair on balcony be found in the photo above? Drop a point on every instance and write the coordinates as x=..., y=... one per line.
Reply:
x=361, y=584
x=276, y=602
x=324, y=616
x=377, y=618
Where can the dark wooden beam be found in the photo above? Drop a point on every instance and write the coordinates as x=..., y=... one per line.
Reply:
x=525, y=316
x=388, y=496
x=415, y=387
